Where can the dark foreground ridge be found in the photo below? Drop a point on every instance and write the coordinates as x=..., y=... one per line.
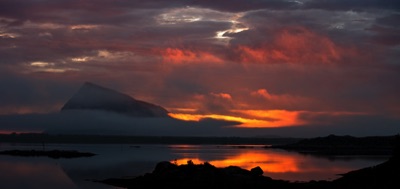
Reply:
x=169, y=175
x=56, y=154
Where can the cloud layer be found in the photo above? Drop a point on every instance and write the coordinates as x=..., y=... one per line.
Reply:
x=307, y=57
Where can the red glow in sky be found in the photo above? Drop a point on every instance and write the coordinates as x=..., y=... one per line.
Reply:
x=260, y=64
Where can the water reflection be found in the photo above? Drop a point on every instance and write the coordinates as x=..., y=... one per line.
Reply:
x=280, y=164
x=272, y=162
x=37, y=173
x=125, y=160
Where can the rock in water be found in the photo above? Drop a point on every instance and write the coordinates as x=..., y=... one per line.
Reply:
x=94, y=97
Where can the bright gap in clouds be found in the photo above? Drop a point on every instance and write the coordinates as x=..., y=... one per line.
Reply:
x=194, y=14
x=250, y=118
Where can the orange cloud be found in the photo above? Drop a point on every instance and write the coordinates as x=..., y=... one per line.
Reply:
x=250, y=118
x=181, y=56
x=282, y=100
x=271, y=118
x=222, y=95
x=198, y=117
x=263, y=93
x=294, y=45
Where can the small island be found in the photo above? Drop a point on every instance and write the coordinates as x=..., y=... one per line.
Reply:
x=55, y=154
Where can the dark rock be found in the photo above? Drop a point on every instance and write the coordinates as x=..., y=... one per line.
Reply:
x=169, y=175
x=235, y=170
x=164, y=167
x=257, y=171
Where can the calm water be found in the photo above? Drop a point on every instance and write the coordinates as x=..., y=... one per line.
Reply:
x=132, y=160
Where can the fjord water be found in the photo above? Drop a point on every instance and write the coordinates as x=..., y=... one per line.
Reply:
x=123, y=160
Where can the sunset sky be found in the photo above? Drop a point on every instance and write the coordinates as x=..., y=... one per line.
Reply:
x=263, y=63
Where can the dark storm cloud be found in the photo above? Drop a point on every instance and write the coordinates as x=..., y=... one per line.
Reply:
x=336, y=89
x=392, y=20
x=81, y=122
x=191, y=35
x=205, y=56
x=352, y=4
x=79, y=11
x=386, y=30
x=239, y=6
x=346, y=28
x=136, y=29
x=357, y=125
x=389, y=37
x=55, y=38
x=98, y=122
x=22, y=94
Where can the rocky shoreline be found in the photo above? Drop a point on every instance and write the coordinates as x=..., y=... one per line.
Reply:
x=169, y=175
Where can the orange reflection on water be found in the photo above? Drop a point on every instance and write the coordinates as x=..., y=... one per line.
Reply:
x=274, y=163
x=185, y=161
x=271, y=163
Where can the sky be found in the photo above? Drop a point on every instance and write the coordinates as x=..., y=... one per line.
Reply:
x=260, y=63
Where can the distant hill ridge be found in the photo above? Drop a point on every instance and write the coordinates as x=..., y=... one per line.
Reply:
x=343, y=145
x=94, y=97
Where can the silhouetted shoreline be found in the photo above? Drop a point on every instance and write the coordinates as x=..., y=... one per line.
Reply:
x=169, y=175
x=190, y=175
x=56, y=154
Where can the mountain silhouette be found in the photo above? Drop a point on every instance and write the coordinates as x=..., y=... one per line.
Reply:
x=94, y=97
